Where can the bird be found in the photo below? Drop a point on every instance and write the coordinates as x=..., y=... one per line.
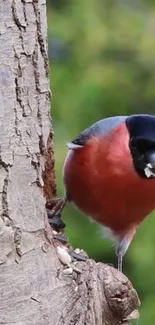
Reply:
x=109, y=174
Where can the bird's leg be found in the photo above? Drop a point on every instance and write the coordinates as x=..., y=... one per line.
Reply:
x=120, y=251
x=124, y=241
x=120, y=261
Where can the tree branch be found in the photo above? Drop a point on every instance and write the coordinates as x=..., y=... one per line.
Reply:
x=36, y=288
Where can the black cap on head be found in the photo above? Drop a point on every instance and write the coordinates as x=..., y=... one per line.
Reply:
x=142, y=143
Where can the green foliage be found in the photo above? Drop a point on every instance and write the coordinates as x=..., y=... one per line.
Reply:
x=103, y=63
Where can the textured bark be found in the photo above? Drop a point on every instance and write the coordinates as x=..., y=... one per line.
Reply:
x=34, y=289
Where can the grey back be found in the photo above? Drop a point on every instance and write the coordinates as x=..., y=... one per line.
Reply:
x=99, y=128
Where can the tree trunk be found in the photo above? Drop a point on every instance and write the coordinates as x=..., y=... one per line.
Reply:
x=34, y=289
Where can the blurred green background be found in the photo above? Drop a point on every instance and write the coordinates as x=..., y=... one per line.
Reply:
x=102, y=55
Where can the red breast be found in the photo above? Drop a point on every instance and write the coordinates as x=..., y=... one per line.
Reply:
x=101, y=180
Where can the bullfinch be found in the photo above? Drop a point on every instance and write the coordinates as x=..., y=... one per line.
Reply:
x=109, y=173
